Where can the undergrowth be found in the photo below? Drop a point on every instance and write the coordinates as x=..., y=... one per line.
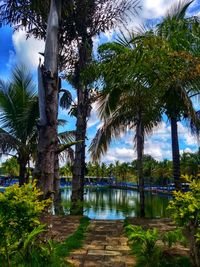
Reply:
x=144, y=245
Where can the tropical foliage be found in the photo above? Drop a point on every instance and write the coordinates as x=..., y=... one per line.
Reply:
x=149, y=68
x=185, y=210
x=10, y=167
x=20, y=226
x=145, y=245
x=19, y=114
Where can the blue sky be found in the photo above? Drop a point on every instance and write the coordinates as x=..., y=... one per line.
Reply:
x=15, y=48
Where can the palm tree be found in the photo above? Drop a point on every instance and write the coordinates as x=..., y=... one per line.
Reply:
x=79, y=21
x=19, y=114
x=182, y=34
x=124, y=104
x=11, y=167
x=190, y=164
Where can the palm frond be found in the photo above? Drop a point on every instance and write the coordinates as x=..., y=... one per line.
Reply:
x=7, y=142
x=178, y=10
x=67, y=155
x=18, y=112
x=66, y=100
x=67, y=137
x=112, y=128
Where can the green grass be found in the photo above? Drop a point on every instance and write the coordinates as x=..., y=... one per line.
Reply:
x=74, y=241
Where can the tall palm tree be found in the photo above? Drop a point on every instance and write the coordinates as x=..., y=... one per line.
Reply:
x=74, y=25
x=18, y=122
x=124, y=105
x=19, y=114
x=182, y=34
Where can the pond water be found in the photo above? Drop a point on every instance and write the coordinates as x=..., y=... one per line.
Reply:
x=112, y=204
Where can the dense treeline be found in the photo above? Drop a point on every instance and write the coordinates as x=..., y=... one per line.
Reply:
x=155, y=172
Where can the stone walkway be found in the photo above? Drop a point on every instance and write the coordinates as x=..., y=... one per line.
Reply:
x=104, y=246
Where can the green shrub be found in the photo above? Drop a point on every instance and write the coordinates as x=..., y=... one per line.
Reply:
x=172, y=237
x=144, y=244
x=185, y=210
x=20, y=208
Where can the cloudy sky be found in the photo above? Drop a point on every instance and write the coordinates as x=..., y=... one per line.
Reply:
x=15, y=48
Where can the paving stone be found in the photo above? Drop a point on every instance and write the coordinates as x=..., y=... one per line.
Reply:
x=105, y=246
x=99, y=242
x=79, y=251
x=95, y=246
x=76, y=256
x=88, y=263
x=94, y=258
x=120, y=248
x=104, y=252
x=75, y=263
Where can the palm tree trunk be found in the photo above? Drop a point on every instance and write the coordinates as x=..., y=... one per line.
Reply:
x=22, y=172
x=140, y=149
x=48, y=104
x=175, y=153
x=57, y=193
x=79, y=161
x=85, y=51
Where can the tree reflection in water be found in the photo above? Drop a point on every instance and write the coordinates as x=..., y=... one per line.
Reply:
x=106, y=203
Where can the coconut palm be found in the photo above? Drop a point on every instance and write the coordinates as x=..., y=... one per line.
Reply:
x=73, y=26
x=124, y=104
x=182, y=34
x=19, y=113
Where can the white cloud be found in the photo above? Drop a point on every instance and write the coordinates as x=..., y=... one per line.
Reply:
x=158, y=145
x=26, y=50
x=121, y=154
x=93, y=120
x=3, y=158
x=156, y=8
x=187, y=150
x=150, y=9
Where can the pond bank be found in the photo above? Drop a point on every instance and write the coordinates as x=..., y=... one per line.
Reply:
x=151, y=190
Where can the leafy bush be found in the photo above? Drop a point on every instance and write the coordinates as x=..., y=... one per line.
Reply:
x=185, y=210
x=144, y=244
x=172, y=237
x=20, y=208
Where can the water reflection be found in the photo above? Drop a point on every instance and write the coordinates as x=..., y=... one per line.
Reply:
x=106, y=203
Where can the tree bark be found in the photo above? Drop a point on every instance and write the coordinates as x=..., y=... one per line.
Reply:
x=48, y=105
x=57, y=193
x=22, y=172
x=85, y=51
x=79, y=161
x=175, y=154
x=191, y=232
x=140, y=149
